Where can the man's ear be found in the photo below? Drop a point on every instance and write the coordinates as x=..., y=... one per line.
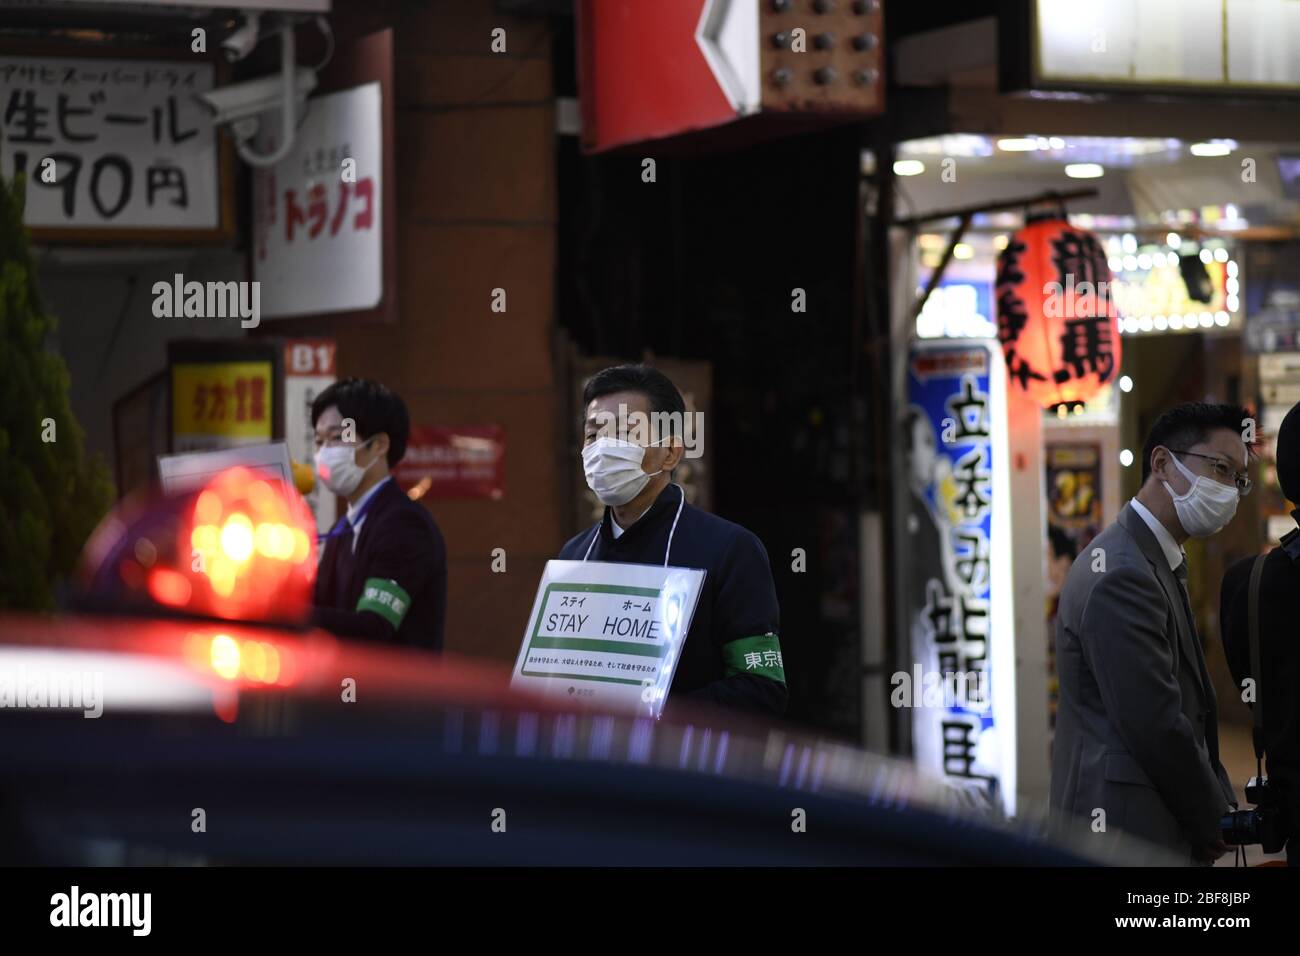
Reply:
x=379, y=442
x=1159, y=454
x=675, y=452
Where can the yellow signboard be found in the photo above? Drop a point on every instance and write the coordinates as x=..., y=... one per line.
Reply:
x=218, y=404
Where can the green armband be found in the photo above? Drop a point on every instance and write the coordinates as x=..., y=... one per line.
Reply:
x=385, y=598
x=759, y=655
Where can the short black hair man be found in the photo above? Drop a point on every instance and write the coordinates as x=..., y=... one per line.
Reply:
x=633, y=423
x=383, y=574
x=1137, y=727
x=1278, y=683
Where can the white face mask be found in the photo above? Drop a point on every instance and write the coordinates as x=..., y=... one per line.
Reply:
x=613, y=469
x=1207, y=506
x=337, y=468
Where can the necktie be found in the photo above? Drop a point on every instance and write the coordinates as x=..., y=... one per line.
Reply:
x=344, y=561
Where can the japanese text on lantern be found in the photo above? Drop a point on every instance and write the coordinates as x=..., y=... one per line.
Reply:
x=1057, y=320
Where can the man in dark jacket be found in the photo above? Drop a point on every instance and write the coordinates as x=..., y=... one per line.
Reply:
x=1278, y=683
x=383, y=573
x=632, y=442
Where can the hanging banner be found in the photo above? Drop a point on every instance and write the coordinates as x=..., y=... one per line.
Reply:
x=608, y=635
x=956, y=540
x=111, y=144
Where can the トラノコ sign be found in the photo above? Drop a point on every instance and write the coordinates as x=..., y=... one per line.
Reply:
x=318, y=237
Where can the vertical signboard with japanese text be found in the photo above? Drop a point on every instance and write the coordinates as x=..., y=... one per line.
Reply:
x=308, y=371
x=318, y=234
x=956, y=569
x=111, y=144
x=1073, y=519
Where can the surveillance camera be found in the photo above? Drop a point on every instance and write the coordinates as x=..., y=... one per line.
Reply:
x=241, y=42
x=241, y=101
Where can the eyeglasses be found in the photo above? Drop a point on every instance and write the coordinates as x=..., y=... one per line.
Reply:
x=1223, y=471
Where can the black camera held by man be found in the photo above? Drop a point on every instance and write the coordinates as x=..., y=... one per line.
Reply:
x=1265, y=823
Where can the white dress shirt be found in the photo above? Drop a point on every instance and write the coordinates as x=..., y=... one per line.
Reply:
x=618, y=530
x=1174, y=554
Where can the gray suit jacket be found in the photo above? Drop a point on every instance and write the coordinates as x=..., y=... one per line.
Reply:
x=1137, y=719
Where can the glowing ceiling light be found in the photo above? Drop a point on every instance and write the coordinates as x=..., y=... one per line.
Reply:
x=908, y=167
x=1125, y=383
x=1084, y=170
x=1018, y=144
x=1126, y=458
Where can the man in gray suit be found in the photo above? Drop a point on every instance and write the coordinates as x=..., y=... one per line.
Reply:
x=1137, y=724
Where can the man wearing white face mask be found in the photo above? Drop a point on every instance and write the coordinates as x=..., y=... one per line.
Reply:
x=383, y=568
x=1137, y=743
x=633, y=431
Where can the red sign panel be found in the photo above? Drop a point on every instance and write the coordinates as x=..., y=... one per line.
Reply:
x=468, y=461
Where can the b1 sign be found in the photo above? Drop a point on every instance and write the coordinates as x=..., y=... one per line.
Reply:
x=318, y=214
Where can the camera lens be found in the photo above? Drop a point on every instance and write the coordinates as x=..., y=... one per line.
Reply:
x=1240, y=827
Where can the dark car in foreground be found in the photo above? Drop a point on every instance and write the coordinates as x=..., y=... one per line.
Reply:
x=178, y=715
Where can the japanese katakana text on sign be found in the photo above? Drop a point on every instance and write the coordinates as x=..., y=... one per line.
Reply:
x=608, y=634
x=219, y=404
x=318, y=213
x=110, y=143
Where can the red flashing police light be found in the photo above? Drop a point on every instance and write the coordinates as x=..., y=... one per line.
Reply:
x=241, y=549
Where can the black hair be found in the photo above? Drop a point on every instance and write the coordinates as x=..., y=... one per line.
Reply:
x=1288, y=455
x=374, y=408
x=1188, y=424
x=653, y=384
x=1062, y=546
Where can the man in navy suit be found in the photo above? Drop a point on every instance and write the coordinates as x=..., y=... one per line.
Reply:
x=383, y=574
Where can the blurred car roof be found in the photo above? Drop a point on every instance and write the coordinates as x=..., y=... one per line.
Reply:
x=249, y=724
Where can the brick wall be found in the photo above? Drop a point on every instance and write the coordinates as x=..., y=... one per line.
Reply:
x=475, y=161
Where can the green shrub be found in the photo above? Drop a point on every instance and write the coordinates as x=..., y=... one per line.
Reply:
x=51, y=494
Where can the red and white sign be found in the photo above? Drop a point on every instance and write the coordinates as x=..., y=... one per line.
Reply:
x=308, y=371
x=468, y=461
x=318, y=236
x=651, y=69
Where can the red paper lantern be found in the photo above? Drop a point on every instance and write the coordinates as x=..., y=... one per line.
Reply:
x=1057, y=320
